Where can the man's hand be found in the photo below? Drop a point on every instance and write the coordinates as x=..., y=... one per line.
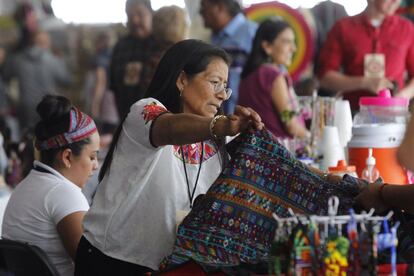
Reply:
x=376, y=84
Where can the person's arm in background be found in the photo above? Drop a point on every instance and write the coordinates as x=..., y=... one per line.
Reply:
x=384, y=196
x=112, y=68
x=330, y=62
x=280, y=98
x=60, y=71
x=405, y=151
x=9, y=67
x=99, y=90
x=408, y=90
x=3, y=157
x=337, y=81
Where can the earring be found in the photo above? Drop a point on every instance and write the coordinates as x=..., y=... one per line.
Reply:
x=181, y=91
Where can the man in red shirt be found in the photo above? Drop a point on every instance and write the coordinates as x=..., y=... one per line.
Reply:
x=368, y=52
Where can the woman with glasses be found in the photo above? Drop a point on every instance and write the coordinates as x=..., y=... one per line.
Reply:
x=266, y=85
x=167, y=151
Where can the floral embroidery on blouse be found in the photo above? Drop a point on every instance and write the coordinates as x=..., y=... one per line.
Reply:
x=192, y=152
x=152, y=111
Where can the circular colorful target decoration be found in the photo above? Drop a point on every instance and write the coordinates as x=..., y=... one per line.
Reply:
x=303, y=34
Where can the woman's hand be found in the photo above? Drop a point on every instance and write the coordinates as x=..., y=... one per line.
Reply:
x=248, y=114
x=242, y=119
x=369, y=197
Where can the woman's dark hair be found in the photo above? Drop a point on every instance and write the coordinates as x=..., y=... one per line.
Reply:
x=146, y=3
x=54, y=112
x=233, y=6
x=190, y=56
x=26, y=34
x=268, y=30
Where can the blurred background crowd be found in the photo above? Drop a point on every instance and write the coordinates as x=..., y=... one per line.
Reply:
x=67, y=47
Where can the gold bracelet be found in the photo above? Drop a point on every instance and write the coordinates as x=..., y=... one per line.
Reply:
x=213, y=124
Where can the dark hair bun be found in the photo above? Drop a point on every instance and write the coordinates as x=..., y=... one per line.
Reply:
x=54, y=113
x=52, y=107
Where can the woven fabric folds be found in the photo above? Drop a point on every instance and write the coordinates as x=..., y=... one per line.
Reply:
x=233, y=222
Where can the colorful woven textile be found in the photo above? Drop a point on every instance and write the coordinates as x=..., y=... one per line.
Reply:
x=233, y=222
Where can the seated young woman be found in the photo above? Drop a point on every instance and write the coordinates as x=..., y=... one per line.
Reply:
x=266, y=85
x=46, y=208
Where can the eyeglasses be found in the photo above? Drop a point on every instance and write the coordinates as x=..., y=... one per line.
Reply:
x=219, y=87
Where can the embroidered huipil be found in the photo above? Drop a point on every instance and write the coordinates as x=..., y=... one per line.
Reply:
x=133, y=215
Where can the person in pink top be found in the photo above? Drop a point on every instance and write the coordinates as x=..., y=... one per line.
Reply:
x=366, y=53
x=266, y=86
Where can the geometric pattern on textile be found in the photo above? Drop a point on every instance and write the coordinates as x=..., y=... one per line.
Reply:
x=233, y=222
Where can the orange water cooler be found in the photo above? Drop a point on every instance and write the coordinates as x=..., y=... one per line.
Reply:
x=380, y=125
x=384, y=140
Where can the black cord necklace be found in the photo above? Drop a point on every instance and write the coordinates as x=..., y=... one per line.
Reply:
x=191, y=194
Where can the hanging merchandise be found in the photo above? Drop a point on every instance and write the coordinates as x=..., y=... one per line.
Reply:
x=354, y=256
x=366, y=251
x=388, y=240
x=318, y=245
x=279, y=251
x=303, y=256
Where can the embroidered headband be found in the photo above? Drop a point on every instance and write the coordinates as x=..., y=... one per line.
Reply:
x=81, y=126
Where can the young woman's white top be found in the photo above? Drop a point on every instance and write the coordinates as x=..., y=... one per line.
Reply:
x=133, y=214
x=36, y=206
